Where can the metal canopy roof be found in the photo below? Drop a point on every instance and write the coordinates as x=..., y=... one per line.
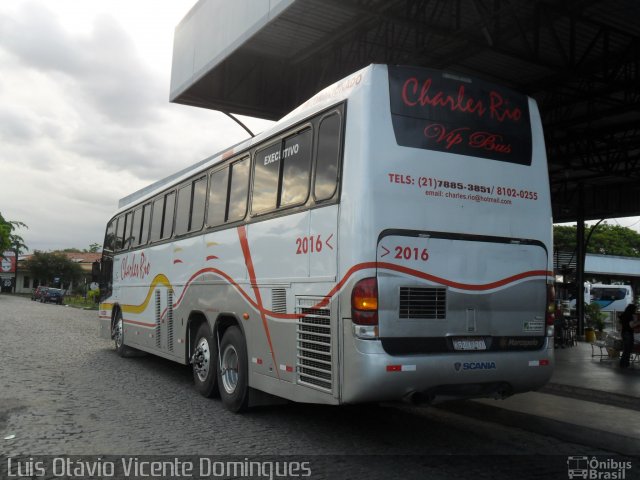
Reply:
x=579, y=59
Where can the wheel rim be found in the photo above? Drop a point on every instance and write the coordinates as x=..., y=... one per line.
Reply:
x=202, y=359
x=229, y=369
x=118, y=333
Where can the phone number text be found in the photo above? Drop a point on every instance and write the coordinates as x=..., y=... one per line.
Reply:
x=435, y=184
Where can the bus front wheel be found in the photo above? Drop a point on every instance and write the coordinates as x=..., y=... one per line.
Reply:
x=118, y=335
x=233, y=371
x=204, y=361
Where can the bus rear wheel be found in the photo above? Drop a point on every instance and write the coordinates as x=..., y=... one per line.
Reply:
x=233, y=371
x=204, y=362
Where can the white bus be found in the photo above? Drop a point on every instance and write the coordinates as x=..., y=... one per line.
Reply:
x=388, y=239
x=610, y=298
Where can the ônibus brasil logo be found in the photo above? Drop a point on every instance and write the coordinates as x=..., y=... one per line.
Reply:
x=596, y=469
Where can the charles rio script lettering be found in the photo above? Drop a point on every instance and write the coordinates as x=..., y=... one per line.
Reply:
x=495, y=107
x=463, y=135
x=135, y=267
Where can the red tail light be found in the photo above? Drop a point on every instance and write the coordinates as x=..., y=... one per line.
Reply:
x=364, y=302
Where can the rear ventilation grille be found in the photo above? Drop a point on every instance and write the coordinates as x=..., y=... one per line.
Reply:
x=158, y=329
x=170, y=320
x=315, y=352
x=279, y=300
x=423, y=303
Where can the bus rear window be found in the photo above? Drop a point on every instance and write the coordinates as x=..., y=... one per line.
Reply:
x=434, y=110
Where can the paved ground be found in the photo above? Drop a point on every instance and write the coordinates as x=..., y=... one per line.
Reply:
x=65, y=391
x=589, y=400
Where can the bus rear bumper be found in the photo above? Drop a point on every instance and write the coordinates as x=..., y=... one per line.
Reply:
x=370, y=374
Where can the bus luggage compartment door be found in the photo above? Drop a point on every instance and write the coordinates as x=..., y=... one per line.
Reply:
x=443, y=292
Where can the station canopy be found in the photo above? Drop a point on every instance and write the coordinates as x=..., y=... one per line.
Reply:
x=579, y=59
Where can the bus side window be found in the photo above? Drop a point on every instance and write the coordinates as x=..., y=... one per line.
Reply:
x=127, y=231
x=155, y=233
x=190, y=207
x=169, y=206
x=135, y=228
x=119, y=240
x=110, y=237
x=144, y=225
x=282, y=171
x=228, y=193
x=217, y=197
x=296, y=169
x=183, y=210
x=328, y=158
x=198, y=204
x=106, y=263
x=238, y=190
x=162, y=217
x=265, y=179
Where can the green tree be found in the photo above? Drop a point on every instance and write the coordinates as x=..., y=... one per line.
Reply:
x=93, y=248
x=606, y=240
x=5, y=231
x=8, y=239
x=47, y=266
x=11, y=241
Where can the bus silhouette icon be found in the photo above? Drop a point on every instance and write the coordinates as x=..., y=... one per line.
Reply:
x=578, y=467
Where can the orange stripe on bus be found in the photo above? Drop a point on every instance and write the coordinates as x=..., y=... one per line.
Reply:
x=242, y=233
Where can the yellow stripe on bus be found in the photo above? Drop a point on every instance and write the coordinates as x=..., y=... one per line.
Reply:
x=160, y=279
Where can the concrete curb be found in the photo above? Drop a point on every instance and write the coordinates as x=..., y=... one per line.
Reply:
x=590, y=395
x=581, y=435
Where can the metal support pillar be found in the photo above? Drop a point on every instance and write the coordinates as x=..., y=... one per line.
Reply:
x=580, y=257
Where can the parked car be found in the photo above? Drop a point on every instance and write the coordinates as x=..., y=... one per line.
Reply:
x=53, y=295
x=38, y=292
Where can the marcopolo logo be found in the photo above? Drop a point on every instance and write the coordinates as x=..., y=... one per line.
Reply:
x=463, y=366
x=597, y=469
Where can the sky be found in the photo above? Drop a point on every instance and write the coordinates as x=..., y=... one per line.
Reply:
x=85, y=117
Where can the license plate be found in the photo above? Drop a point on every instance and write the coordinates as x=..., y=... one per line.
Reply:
x=469, y=344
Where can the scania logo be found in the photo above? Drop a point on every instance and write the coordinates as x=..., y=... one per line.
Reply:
x=474, y=366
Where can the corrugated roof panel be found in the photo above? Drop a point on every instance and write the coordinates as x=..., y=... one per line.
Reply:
x=503, y=68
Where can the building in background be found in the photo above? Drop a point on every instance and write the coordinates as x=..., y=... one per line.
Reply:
x=26, y=283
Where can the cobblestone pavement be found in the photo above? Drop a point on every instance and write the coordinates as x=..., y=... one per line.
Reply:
x=65, y=391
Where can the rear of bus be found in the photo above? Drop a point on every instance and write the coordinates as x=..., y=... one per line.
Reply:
x=445, y=234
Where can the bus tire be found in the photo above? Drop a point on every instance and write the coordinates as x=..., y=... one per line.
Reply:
x=233, y=372
x=118, y=335
x=204, y=362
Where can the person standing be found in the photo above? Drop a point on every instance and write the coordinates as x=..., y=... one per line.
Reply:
x=626, y=319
